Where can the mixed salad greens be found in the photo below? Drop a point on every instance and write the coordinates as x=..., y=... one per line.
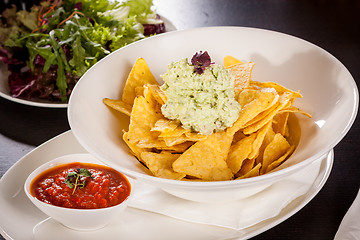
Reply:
x=48, y=48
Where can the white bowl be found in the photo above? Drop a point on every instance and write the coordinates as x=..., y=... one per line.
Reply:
x=329, y=94
x=78, y=219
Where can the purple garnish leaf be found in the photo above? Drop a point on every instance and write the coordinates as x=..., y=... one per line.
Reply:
x=78, y=6
x=152, y=29
x=201, y=60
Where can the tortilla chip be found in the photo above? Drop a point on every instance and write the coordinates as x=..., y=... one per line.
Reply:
x=150, y=98
x=165, y=125
x=260, y=135
x=206, y=159
x=118, y=105
x=160, y=145
x=139, y=91
x=139, y=76
x=177, y=132
x=242, y=73
x=267, y=109
x=252, y=103
x=229, y=61
x=276, y=148
x=135, y=150
x=295, y=110
x=171, y=141
x=238, y=136
x=194, y=136
x=239, y=152
x=139, y=128
x=269, y=136
x=160, y=164
x=186, y=136
x=255, y=171
x=279, y=122
x=248, y=164
x=158, y=94
x=279, y=88
x=261, y=116
x=280, y=160
x=283, y=101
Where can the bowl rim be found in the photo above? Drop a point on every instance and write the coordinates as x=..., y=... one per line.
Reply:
x=228, y=183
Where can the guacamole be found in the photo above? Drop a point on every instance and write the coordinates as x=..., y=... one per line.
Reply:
x=202, y=102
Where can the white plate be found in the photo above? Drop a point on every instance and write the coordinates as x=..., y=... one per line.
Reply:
x=5, y=91
x=135, y=224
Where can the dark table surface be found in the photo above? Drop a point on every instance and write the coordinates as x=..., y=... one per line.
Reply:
x=331, y=24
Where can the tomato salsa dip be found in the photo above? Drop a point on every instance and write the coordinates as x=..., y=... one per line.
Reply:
x=81, y=186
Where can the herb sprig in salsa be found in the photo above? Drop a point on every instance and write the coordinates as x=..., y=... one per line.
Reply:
x=73, y=179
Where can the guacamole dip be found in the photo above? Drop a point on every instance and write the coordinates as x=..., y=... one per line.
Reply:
x=202, y=102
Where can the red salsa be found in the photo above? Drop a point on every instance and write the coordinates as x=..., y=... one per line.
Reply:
x=105, y=187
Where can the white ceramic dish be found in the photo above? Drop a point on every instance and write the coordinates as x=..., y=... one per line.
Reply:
x=78, y=219
x=330, y=95
x=22, y=214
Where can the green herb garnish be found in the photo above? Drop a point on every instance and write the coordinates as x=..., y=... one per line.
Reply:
x=73, y=179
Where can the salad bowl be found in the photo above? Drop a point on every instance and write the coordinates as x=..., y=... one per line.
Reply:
x=31, y=81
